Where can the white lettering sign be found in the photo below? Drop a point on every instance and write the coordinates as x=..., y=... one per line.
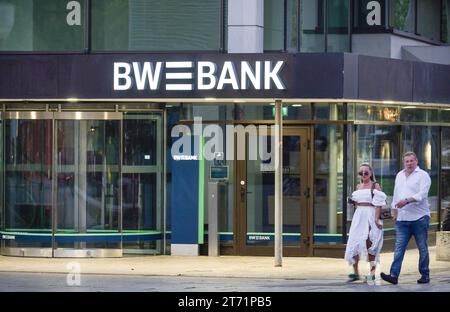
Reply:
x=179, y=76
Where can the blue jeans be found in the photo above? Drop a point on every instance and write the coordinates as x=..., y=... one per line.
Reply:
x=404, y=231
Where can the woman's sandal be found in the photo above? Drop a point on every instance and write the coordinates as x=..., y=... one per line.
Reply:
x=370, y=279
x=353, y=277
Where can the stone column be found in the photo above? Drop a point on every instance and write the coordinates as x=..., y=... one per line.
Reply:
x=245, y=26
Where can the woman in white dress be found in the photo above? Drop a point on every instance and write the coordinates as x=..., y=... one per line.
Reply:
x=366, y=231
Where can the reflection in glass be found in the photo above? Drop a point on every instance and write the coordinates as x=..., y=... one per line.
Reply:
x=403, y=15
x=422, y=141
x=261, y=195
x=273, y=25
x=416, y=114
x=153, y=25
x=87, y=180
x=28, y=185
x=328, y=173
x=312, y=38
x=328, y=111
x=445, y=21
x=428, y=15
x=142, y=171
x=50, y=26
x=376, y=113
x=275, y=14
x=139, y=201
x=445, y=173
x=379, y=146
x=337, y=32
x=139, y=142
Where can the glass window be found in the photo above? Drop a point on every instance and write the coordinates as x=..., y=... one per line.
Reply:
x=155, y=25
x=445, y=173
x=428, y=18
x=445, y=115
x=295, y=111
x=292, y=25
x=379, y=146
x=312, y=38
x=415, y=114
x=445, y=21
x=51, y=25
x=403, y=15
x=326, y=111
x=376, y=113
x=423, y=141
x=273, y=25
x=337, y=35
x=328, y=186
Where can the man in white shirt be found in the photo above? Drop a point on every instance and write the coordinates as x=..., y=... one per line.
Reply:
x=412, y=216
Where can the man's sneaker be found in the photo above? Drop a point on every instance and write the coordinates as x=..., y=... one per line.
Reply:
x=389, y=278
x=423, y=280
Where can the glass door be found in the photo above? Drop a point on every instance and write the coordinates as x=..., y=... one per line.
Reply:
x=27, y=182
x=255, y=197
x=142, y=174
x=68, y=176
x=87, y=161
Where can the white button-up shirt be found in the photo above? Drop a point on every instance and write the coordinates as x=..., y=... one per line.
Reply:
x=416, y=185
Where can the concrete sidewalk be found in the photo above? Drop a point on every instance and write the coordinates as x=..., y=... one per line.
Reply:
x=224, y=266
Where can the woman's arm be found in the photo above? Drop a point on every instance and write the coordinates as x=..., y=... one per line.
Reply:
x=377, y=217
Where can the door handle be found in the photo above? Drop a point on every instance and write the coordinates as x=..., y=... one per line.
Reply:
x=306, y=240
x=243, y=193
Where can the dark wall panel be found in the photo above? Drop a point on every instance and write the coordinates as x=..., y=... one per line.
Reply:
x=431, y=83
x=318, y=75
x=384, y=79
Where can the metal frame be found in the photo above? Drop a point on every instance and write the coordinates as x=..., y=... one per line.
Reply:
x=345, y=180
x=159, y=169
x=439, y=179
x=61, y=252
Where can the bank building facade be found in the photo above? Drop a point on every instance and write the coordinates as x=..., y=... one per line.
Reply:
x=146, y=127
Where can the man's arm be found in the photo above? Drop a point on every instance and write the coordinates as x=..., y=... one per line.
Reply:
x=424, y=188
x=395, y=195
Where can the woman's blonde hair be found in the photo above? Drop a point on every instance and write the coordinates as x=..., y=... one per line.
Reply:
x=372, y=177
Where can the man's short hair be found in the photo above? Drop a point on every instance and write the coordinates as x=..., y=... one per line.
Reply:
x=410, y=154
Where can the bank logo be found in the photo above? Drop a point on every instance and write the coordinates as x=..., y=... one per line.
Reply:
x=201, y=75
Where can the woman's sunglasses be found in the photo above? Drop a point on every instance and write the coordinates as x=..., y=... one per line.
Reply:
x=363, y=173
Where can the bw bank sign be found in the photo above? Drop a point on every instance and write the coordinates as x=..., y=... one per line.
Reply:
x=198, y=75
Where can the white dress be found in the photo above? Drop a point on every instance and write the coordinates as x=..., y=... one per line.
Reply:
x=363, y=227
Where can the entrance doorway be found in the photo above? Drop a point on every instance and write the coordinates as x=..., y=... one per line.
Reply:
x=82, y=184
x=255, y=192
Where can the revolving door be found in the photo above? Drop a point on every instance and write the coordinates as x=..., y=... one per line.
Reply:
x=63, y=186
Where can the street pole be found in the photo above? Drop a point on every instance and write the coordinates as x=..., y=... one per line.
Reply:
x=278, y=183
